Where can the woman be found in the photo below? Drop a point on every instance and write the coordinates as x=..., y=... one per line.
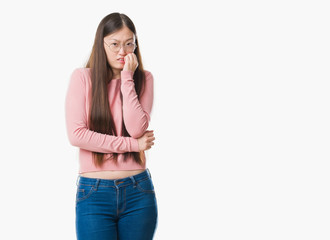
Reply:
x=108, y=106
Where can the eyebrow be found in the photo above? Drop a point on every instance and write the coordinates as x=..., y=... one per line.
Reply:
x=118, y=40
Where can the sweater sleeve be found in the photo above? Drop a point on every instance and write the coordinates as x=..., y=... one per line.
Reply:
x=76, y=123
x=136, y=113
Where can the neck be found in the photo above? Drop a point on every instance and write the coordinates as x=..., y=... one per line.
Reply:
x=116, y=74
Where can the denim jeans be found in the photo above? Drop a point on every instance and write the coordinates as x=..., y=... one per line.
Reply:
x=121, y=209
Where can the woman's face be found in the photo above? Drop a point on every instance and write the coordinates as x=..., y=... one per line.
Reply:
x=122, y=39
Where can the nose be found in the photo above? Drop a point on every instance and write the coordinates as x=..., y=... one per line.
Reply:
x=122, y=51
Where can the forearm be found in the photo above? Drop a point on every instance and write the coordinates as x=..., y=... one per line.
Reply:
x=136, y=114
x=97, y=142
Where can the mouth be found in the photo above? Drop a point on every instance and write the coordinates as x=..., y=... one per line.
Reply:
x=121, y=60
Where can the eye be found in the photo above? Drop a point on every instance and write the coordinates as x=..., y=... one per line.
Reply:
x=129, y=44
x=113, y=44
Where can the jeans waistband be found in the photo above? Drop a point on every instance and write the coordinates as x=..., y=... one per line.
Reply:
x=109, y=182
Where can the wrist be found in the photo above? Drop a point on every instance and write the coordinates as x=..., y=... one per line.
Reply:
x=127, y=74
x=135, y=145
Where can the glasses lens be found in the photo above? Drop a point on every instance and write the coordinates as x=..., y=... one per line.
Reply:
x=128, y=47
x=115, y=47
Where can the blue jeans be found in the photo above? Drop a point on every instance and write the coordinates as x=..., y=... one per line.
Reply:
x=121, y=209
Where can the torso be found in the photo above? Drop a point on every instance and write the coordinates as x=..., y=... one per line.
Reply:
x=111, y=174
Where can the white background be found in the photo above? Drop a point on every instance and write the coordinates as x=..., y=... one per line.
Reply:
x=241, y=115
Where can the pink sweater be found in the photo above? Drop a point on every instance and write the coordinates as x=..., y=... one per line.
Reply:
x=136, y=117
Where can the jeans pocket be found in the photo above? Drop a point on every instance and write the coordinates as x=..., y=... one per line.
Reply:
x=145, y=186
x=84, y=192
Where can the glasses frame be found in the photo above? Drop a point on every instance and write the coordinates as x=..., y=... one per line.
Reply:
x=121, y=46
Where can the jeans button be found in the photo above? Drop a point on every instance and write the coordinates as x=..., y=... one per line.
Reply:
x=117, y=183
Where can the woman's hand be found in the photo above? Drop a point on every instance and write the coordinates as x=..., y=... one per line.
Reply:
x=131, y=62
x=146, y=141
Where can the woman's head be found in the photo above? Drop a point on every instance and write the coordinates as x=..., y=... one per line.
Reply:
x=105, y=64
x=117, y=46
x=115, y=37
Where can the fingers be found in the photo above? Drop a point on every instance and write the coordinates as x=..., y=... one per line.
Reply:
x=128, y=58
x=151, y=139
x=131, y=61
x=132, y=57
x=150, y=144
x=135, y=59
x=149, y=133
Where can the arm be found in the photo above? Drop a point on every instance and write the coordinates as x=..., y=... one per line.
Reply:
x=136, y=114
x=76, y=122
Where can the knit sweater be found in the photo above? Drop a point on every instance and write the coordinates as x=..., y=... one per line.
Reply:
x=135, y=113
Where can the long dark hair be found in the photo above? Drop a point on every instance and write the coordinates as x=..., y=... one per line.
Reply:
x=100, y=118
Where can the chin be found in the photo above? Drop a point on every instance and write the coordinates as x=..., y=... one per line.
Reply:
x=117, y=67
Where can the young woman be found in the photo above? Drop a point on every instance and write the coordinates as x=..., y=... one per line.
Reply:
x=108, y=106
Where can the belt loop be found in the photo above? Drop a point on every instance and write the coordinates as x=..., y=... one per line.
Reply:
x=77, y=181
x=133, y=180
x=97, y=183
x=148, y=172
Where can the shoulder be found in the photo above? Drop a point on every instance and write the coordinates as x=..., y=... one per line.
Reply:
x=148, y=75
x=80, y=75
x=82, y=71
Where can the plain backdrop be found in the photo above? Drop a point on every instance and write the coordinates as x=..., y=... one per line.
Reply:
x=240, y=115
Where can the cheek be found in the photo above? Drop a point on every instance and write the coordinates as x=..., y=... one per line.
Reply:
x=111, y=58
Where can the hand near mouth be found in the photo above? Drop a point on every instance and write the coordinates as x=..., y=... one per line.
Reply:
x=131, y=62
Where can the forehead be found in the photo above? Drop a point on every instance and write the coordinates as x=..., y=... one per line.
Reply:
x=122, y=34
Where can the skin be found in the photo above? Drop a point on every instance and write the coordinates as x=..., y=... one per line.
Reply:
x=120, y=37
x=130, y=63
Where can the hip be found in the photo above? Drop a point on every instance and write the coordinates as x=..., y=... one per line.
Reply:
x=111, y=174
x=99, y=190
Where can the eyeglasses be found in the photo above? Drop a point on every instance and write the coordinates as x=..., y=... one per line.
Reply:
x=128, y=47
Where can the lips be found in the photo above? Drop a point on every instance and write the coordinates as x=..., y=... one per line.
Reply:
x=121, y=60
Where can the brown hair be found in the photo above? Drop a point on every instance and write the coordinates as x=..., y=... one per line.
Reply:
x=100, y=118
